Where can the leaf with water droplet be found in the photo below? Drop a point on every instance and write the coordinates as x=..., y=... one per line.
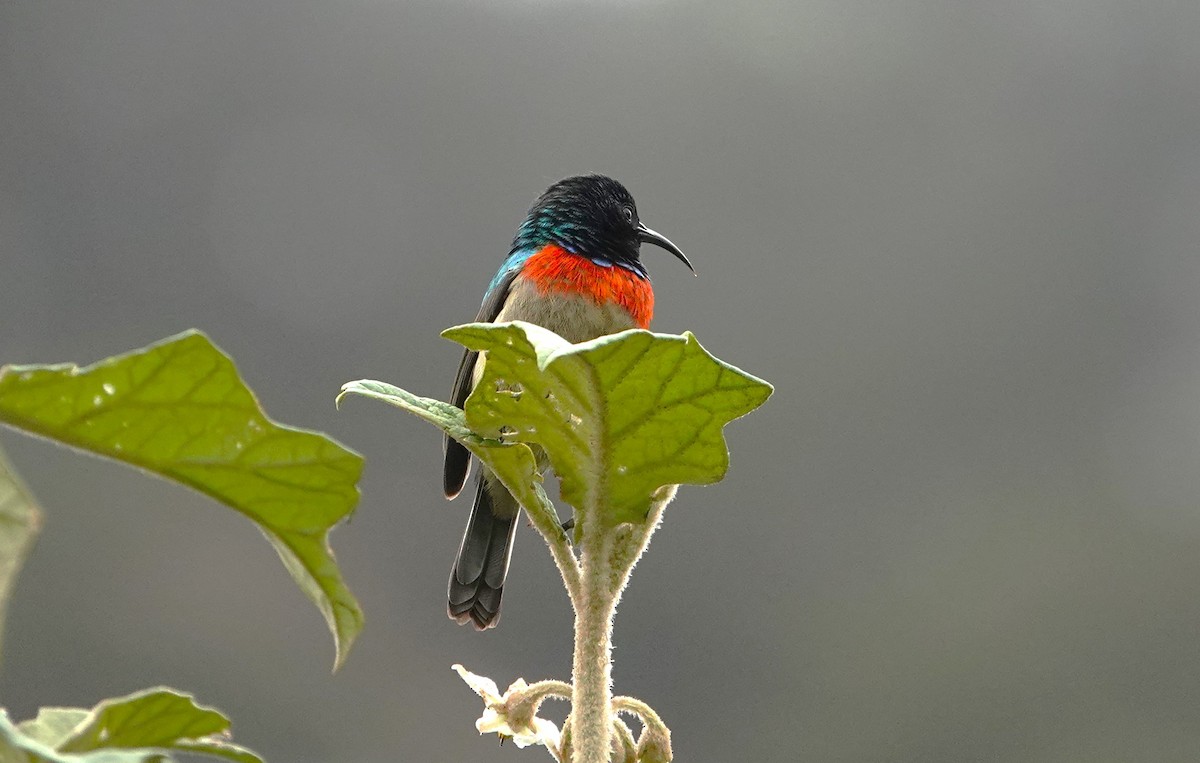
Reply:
x=179, y=409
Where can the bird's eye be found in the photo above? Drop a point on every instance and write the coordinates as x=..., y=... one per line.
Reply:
x=628, y=212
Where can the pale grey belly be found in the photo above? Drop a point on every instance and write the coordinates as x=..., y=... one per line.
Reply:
x=574, y=317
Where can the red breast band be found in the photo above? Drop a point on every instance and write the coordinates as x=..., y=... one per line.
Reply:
x=555, y=270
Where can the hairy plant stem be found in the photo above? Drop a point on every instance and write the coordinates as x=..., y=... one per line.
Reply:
x=545, y=521
x=591, y=674
x=595, y=580
x=607, y=557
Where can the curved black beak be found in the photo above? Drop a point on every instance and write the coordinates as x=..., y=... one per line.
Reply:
x=647, y=236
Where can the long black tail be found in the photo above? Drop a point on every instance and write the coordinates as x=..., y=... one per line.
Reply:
x=477, y=580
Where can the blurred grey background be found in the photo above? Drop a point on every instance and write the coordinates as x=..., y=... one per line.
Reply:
x=960, y=238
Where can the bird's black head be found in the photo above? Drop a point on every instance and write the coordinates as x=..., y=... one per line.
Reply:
x=592, y=216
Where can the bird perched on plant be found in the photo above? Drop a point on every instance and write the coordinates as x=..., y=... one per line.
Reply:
x=574, y=268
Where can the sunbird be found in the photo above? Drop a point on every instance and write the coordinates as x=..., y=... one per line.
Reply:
x=574, y=268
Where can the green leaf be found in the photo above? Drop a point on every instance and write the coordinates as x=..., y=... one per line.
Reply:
x=219, y=749
x=20, y=522
x=512, y=462
x=53, y=725
x=16, y=747
x=142, y=727
x=180, y=410
x=157, y=717
x=619, y=416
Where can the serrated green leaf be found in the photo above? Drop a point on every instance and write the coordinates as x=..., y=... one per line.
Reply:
x=179, y=409
x=20, y=522
x=144, y=727
x=621, y=415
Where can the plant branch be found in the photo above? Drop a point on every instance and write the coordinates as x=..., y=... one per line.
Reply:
x=591, y=702
x=634, y=706
x=633, y=539
x=549, y=689
x=624, y=738
x=545, y=521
